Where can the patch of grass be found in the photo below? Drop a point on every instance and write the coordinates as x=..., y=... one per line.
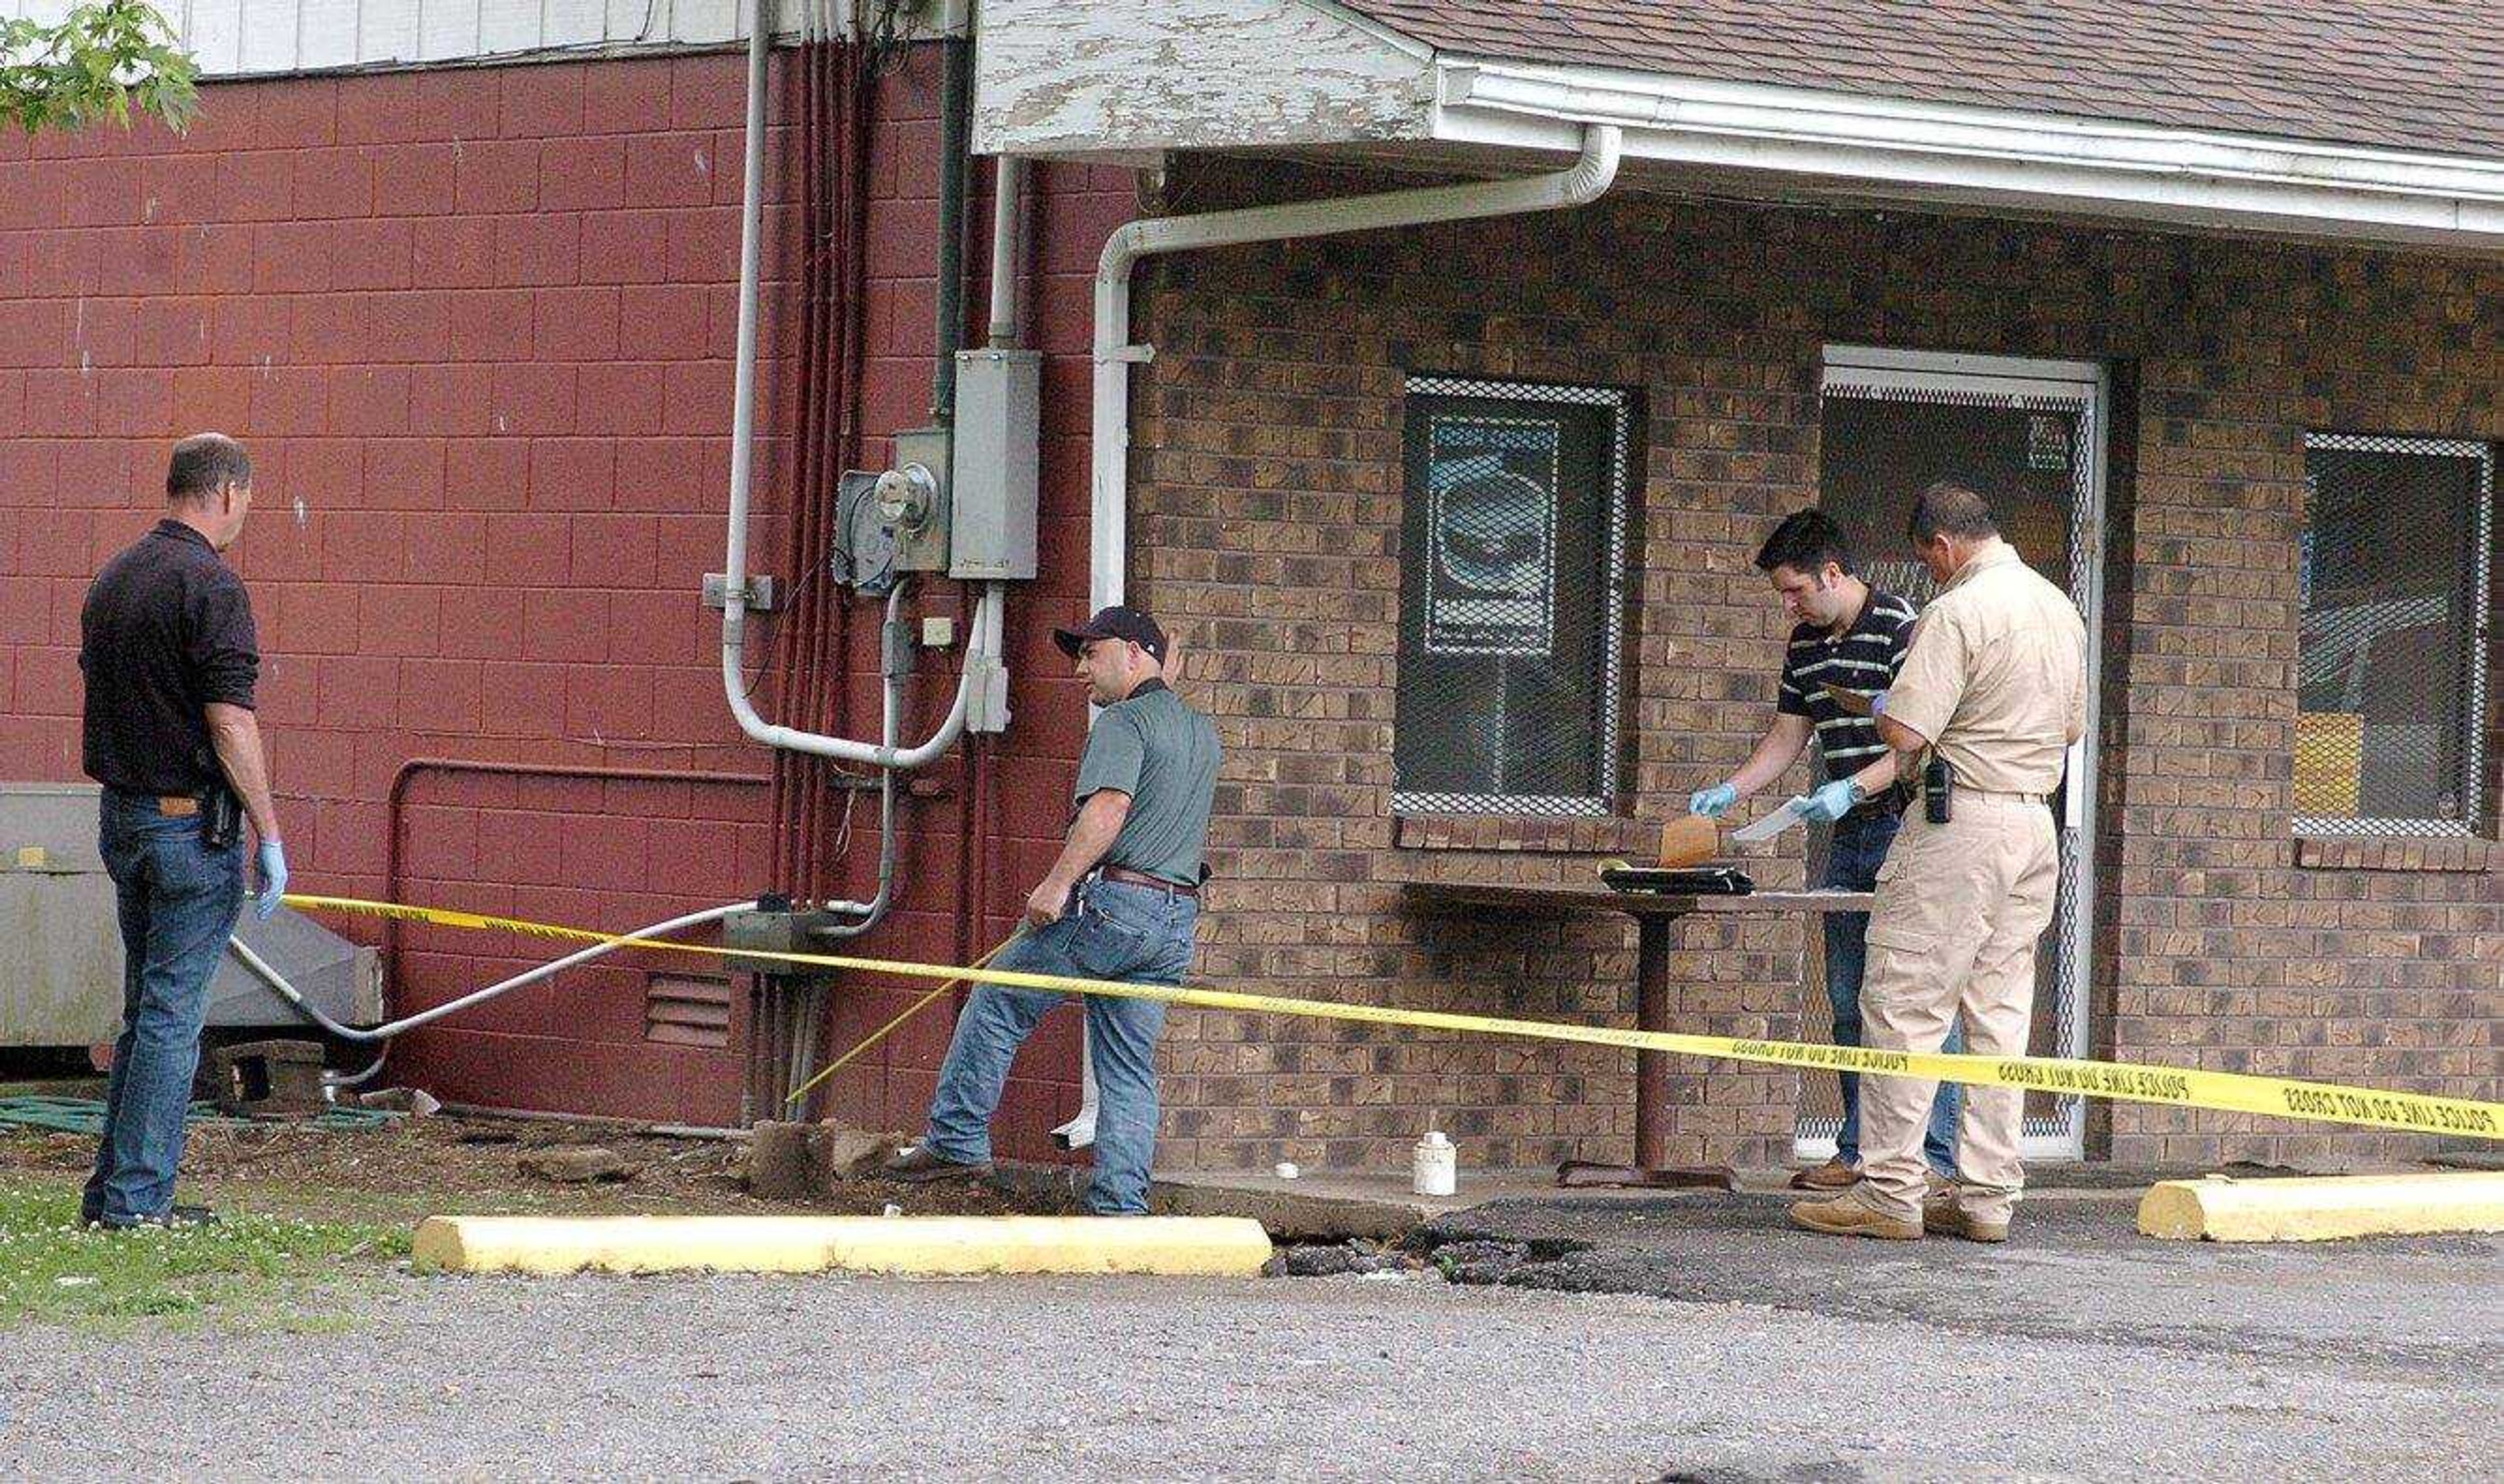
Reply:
x=250, y=1270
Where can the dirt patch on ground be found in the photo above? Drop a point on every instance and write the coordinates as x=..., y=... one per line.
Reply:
x=412, y=1167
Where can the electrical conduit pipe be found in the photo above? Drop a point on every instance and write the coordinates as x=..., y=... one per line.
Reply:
x=890, y=717
x=1008, y=249
x=742, y=420
x=277, y=982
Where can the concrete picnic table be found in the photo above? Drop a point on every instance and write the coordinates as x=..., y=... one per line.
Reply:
x=1655, y=913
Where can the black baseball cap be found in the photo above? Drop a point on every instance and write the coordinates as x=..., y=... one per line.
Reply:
x=1114, y=622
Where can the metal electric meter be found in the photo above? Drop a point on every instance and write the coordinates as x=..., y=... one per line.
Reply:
x=911, y=501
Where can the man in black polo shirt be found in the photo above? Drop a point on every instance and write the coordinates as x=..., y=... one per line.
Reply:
x=1850, y=641
x=167, y=647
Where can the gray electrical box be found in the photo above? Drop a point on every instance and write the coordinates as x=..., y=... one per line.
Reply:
x=992, y=500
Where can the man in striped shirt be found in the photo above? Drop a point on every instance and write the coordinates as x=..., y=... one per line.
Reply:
x=1849, y=640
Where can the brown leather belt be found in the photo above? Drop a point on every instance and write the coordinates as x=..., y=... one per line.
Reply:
x=1129, y=876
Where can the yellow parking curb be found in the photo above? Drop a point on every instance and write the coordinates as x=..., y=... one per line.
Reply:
x=2315, y=1209
x=1192, y=1245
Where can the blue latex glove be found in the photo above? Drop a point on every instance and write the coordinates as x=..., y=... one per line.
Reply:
x=1829, y=803
x=272, y=861
x=1714, y=801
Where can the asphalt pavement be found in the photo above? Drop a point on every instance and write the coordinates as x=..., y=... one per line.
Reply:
x=2075, y=1266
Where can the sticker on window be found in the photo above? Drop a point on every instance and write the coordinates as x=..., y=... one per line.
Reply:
x=1491, y=586
x=2047, y=444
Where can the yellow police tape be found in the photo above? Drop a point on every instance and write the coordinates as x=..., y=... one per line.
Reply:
x=2129, y=1082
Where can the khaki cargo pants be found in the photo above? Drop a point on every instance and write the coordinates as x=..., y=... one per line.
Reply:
x=1958, y=911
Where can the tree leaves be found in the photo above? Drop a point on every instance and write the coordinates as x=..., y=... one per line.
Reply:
x=98, y=64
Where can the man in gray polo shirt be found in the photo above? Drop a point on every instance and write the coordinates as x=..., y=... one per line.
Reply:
x=1119, y=904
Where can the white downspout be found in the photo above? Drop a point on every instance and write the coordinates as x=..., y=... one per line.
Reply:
x=1108, y=518
x=742, y=419
x=1109, y=513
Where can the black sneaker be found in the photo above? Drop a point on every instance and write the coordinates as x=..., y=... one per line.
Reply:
x=920, y=1164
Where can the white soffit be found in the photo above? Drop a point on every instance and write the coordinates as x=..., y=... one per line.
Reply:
x=1108, y=82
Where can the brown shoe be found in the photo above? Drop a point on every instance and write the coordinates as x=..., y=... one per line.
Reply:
x=1946, y=1218
x=920, y=1164
x=1937, y=1185
x=1833, y=1175
x=1845, y=1217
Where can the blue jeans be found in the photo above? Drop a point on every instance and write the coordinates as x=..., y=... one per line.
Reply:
x=177, y=900
x=1853, y=857
x=1114, y=930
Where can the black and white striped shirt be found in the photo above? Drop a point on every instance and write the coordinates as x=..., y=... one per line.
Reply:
x=1863, y=659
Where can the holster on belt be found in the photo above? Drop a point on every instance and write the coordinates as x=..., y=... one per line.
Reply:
x=1939, y=791
x=221, y=817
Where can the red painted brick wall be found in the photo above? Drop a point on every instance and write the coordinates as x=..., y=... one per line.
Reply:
x=1266, y=502
x=475, y=327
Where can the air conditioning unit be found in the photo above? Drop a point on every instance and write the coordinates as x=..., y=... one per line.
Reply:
x=60, y=945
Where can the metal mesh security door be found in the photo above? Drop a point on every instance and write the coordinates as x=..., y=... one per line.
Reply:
x=1512, y=599
x=2029, y=435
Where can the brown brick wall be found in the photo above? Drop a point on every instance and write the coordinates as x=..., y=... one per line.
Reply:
x=1265, y=522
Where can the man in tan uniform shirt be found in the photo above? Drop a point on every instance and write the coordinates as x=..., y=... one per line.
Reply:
x=1996, y=683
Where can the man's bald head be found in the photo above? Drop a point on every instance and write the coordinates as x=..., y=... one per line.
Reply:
x=1950, y=523
x=1949, y=508
x=203, y=464
x=208, y=486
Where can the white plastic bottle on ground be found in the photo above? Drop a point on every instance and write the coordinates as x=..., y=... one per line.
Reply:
x=1433, y=1166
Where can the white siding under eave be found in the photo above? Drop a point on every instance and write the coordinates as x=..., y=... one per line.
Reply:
x=246, y=38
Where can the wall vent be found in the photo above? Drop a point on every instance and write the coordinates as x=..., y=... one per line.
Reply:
x=687, y=1010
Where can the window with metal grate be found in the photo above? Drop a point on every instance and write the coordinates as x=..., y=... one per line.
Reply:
x=1512, y=599
x=2391, y=671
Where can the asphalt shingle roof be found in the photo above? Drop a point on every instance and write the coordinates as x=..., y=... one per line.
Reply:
x=2421, y=75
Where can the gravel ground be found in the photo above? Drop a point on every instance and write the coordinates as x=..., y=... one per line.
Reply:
x=1394, y=1378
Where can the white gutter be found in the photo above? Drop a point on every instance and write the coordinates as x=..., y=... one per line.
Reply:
x=1868, y=145
x=743, y=421
x=1109, y=512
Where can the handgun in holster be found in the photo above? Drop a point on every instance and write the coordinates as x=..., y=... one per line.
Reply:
x=221, y=817
x=1939, y=791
